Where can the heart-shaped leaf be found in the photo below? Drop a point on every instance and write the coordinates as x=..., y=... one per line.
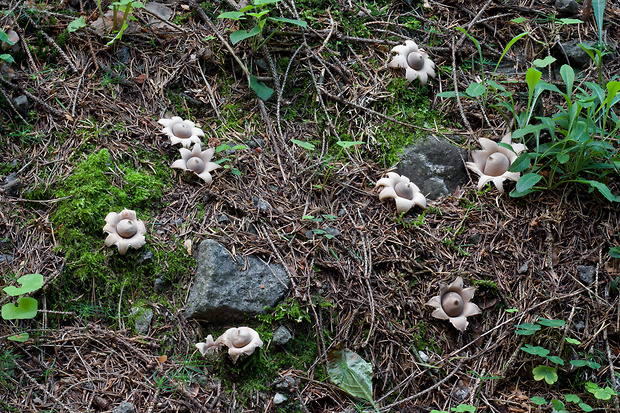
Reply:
x=26, y=308
x=29, y=282
x=547, y=373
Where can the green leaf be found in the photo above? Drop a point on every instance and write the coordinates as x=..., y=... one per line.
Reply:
x=558, y=406
x=527, y=329
x=527, y=181
x=348, y=144
x=518, y=20
x=464, y=408
x=20, y=338
x=551, y=323
x=235, y=15
x=598, y=6
x=570, y=21
x=351, y=373
x=538, y=400
x=572, y=341
x=239, y=35
x=5, y=38
x=579, y=363
x=305, y=145
x=521, y=163
x=29, y=283
x=475, y=89
x=26, y=308
x=563, y=158
x=585, y=407
x=535, y=350
x=602, y=188
x=263, y=91
x=448, y=94
x=77, y=24
x=260, y=3
x=532, y=77
x=7, y=58
x=572, y=398
x=299, y=23
x=568, y=75
x=593, y=365
x=496, y=85
x=544, y=62
x=547, y=373
x=556, y=360
x=614, y=252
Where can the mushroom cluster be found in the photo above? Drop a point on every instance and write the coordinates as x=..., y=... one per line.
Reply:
x=414, y=60
x=197, y=161
x=181, y=131
x=124, y=230
x=239, y=340
x=405, y=193
x=453, y=303
x=492, y=162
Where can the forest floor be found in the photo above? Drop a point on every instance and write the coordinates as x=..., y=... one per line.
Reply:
x=89, y=143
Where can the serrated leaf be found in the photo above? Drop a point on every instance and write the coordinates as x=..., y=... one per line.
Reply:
x=262, y=90
x=29, y=283
x=551, y=323
x=351, y=373
x=547, y=373
x=538, y=400
x=26, y=308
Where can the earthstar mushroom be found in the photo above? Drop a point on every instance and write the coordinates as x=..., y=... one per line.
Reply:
x=453, y=303
x=124, y=230
x=492, y=162
x=198, y=162
x=414, y=60
x=239, y=340
x=181, y=131
x=405, y=193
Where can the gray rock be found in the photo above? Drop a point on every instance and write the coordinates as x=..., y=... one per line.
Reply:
x=262, y=205
x=576, y=55
x=21, y=104
x=334, y=232
x=285, y=383
x=226, y=290
x=436, y=167
x=124, y=407
x=586, y=273
x=523, y=269
x=6, y=257
x=143, y=319
x=159, y=284
x=281, y=336
x=123, y=55
x=566, y=7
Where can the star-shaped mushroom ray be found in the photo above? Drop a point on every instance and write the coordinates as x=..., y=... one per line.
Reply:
x=458, y=321
x=114, y=238
x=492, y=162
x=193, y=132
x=400, y=60
x=403, y=204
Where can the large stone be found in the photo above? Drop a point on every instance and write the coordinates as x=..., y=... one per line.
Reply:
x=226, y=289
x=577, y=57
x=124, y=407
x=566, y=8
x=435, y=166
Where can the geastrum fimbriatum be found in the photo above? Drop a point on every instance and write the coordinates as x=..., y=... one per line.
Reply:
x=181, y=131
x=197, y=161
x=124, y=230
x=405, y=193
x=239, y=340
x=453, y=303
x=492, y=162
x=414, y=60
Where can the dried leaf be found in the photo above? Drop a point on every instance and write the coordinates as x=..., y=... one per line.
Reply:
x=351, y=373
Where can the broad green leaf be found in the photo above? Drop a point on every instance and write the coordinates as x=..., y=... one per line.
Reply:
x=568, y=75
x=558, y=406
x=449, y=94
x=613, y=88
x=527, y=181
x=20, y=338
x=585, y=407
x=259, y=3
x=259, y=14
x=535, y=350
x=538, y=400
x=579, y=363
x=551, y=323
x=235, y=15
x=603, y=189
x=299, y=23
x=570, y=21
x=556, y=360
x=348, y=144
x=544, y=62
x=7, y=58
x=527, y=329
x=351, y=373
x=29, y=283
x=572, y=398
x=547, y=373
x=77, y=24
x=5, y=38
x=518, y=20
x=26, y=308
x=614, y=252
x=532, y=77
x=563, y=158
x=262, y=90
x=475, y=89
x=496, y=85
x=305, y=145
x=521, y=163
x=461, y=408
x=572, y=341
x=239, y=35
x=593, y=365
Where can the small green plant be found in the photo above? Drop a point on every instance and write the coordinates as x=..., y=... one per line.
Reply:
x=599, y=392
x=25, y=307
x=5, y=56
x=127, y=7
x=226, y=147
x=461, y=408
